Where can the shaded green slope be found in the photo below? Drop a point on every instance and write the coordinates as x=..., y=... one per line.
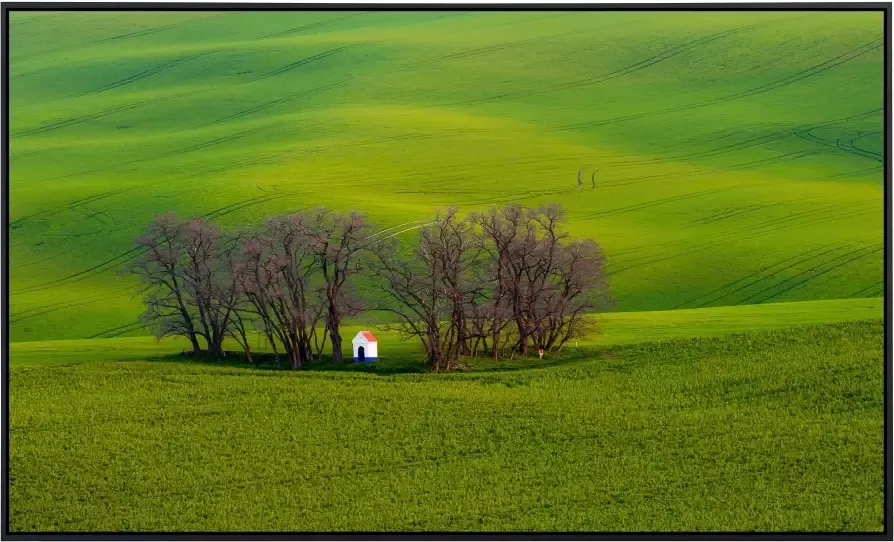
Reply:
x=738, y=154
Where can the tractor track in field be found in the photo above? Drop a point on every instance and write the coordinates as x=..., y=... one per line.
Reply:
x=81, y=275
x=813, y=216
x=849, y=173
x=803, y=258
x=661, y=57
x=662, y=201
x=311, y=26
x=37, y=260
x=116, y=331
x=228, y=209
x=862, y=252
x=479, y=51
x=129, y=35
x=144, y=74
x=72, y=205
x=779, y=83
x=129, y=255
x=278, y=101
x=291, y=66
x=197, y=147
x=632, y=68
x=16, y=157
x=378, y=237
x=386, y=230
x=480, y=166
x=878, y=156
x=799, y=131
x=245, y=163
x=842, y=143
x=854, y=118
x=97, y=115
x=823, y=213
x=736, y=212
x=849, y=147
x=26, y=21
x=757, y=277
x=831, y=212
x=872, y=287
x=722, y=238
x=714, y=171
x=521, y=197
x=155, y=30
x=15, y=318
x=739, y=145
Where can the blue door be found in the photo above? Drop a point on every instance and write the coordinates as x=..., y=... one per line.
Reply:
x=361, y=354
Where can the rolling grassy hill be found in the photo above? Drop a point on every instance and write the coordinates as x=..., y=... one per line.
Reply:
x=777, y=430
x=739, y=155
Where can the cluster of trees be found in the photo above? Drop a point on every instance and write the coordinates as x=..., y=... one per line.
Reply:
x=498, y=282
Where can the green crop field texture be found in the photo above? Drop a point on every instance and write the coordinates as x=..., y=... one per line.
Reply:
x=739, y=155
x=770, y=430
x=401, y=355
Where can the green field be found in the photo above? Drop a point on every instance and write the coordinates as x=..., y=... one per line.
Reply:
x=760, y=431
x=739, y=154
x=738, y=161
x=400, y=355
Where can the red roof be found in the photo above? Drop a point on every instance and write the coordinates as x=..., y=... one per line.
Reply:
x=369, y=336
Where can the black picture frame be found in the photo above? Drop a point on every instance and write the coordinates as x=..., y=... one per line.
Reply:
x=884, y=7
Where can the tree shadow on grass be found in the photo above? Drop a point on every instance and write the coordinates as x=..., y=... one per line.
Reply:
x=389, y=366
x=267, y=361
x=524, y=363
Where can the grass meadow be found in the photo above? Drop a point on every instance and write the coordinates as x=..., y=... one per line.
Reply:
x=774, y=430
x=732, y=167
x=399, y=354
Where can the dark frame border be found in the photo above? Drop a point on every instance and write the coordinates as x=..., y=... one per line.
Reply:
x=558, y=6
x=884, y=7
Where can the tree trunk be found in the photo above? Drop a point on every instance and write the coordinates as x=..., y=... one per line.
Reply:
x=303, y=353
x=196, y=349
x=336, y=344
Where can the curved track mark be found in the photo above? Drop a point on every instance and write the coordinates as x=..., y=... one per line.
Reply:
x=814, y=70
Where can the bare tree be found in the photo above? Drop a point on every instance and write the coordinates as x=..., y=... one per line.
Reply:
x=276, y=273
x=209, y=281
x=160, y=268
x=537, y=281
x=575, y=285
x=335, y=240
x=183, y=270
x=499, y=233
x=500, y=281
x=430, y=288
